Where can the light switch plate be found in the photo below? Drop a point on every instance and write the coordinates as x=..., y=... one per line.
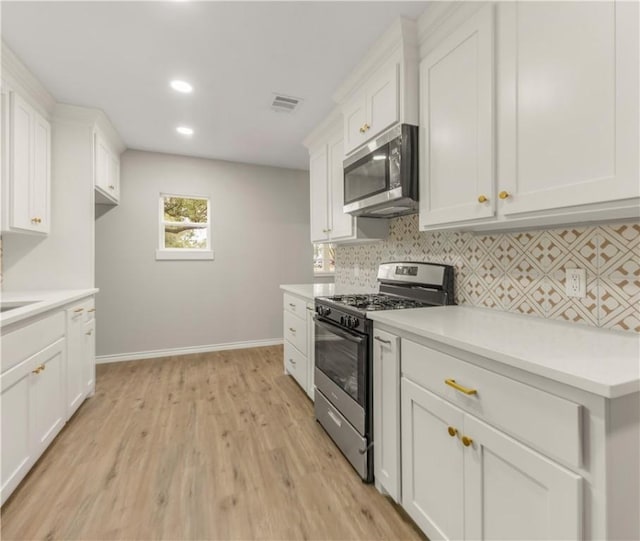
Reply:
x=576, y=283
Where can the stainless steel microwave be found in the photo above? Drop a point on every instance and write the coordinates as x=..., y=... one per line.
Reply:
x=381, y=180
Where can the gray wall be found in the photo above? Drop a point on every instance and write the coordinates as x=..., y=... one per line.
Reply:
x=64, y=258
x=260, y=218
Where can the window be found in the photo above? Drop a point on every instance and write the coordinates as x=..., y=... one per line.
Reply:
x=324, y=259
x=184, y=227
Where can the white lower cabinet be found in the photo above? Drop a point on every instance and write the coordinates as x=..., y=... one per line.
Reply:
x=32, y=411
x=386, y=412
x=463, y=479
x=47, y=370
x=298, y=341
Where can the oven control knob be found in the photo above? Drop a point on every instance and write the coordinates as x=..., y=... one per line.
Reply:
x=319, y=310
x=342, y=320
x=355, y=322
x=326, y=311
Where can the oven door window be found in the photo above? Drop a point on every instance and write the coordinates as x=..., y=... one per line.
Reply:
x=367, y=176
x=341, y=356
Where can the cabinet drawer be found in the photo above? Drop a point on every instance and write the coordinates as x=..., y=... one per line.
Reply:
x=23, y=342
x=295, y=305
x=295, y=330
x=296, y=364
x=536, y=417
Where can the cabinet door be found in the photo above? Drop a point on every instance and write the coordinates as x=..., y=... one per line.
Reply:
x=432, y=463
x=386, y=412
x=102, y=164
x=341, y=225
x=512, y=492
x=46, y=396
x=355, y=118
x=319, y=189
x=90, y=356
x=456, y=119
x=114, y=176
x=22, y=144
x=75, y=372
x=40, y=186
x=383, y=106
x=568, y=104
x=16, y=441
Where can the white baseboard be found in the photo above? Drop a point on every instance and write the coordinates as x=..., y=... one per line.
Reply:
x=139, y=355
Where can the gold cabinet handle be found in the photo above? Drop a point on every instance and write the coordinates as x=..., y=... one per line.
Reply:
x=366, y=127
x=362, y=128
x=91, y=310
x=458, y=387
x=482, y=199
x=291, y=329
x=89, y=333
x=466, y=441
x=452, y=431
x=36, y=220
x=38, y=369
x=292, y=362
x=112, y=187
x=78, y=310
x=504, y=195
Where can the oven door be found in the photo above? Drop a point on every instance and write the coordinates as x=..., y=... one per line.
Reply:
x=341, y=370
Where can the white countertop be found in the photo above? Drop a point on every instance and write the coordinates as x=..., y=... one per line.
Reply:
x=44, y=301
x=599, y=361
x=309, y=291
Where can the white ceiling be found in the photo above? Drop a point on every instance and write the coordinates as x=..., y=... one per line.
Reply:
x=120, y=57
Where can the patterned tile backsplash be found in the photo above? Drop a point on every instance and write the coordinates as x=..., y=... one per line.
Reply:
x=518, y=272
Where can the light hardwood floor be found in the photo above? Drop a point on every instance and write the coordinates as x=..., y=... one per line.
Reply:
x=210, y=446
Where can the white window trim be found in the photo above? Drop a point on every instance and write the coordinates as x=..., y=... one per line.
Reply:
x=185, y=254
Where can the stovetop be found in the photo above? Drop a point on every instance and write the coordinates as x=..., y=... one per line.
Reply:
x=376, y=301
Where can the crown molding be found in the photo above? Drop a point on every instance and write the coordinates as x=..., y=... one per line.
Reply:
x=330, y=126
x=93, y=119
x=16, y=75
x=401, y=35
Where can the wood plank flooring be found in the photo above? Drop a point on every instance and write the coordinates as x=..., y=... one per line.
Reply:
x=209, y=446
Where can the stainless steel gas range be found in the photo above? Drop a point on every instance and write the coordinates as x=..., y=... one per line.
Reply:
x=343, y=347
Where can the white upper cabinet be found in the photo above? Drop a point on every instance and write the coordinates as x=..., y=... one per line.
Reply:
x=566, y=116
x=106, y=170
x=373, y=110
x=456, y=125
x=329, y=223
x=568, y=98
x=318, y=174
x=26, y=173
x=383, y=89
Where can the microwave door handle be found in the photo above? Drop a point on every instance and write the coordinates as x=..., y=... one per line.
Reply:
x=340, y=332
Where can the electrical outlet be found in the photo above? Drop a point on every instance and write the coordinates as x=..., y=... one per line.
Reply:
x=576, y=282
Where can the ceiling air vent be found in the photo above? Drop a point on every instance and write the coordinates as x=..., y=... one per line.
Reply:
x=285, y=104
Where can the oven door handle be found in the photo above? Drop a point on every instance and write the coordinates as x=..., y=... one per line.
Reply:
x=340, y=332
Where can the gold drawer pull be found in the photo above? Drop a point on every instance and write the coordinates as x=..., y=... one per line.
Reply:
x=89, y=333
x=504, y=195
x=78, y=310
x=466, y=441
x=291, y=329
x=292, y=362
x=292, y=305
x=91, y=310
x=112, y=187
x=482, y=199
x=39, y=369
x=452, y=431
x=458, y=387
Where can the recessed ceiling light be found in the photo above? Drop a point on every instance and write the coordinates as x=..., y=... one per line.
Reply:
x=184, y=130
x=181, y=86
